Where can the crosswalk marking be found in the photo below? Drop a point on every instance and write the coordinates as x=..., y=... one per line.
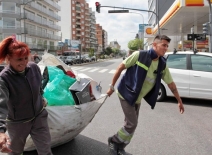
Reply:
x=103, y=70
x=76, y=68
x=112, y=71
x=93, y=70
x=81, y=70
x=100, y=70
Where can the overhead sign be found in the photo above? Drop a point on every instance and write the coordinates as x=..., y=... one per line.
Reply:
x=148, y=32
x=118, y=11
x=141, y=27
x=196, y=37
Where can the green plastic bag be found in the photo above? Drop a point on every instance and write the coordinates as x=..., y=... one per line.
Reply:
x=57, y=89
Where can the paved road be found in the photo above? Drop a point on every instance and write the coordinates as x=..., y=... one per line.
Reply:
x=162, y=131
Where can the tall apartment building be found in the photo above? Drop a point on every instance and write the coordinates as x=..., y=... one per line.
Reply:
x=105, y=40
x=83, y=25
x=102, y=38
x=93, y=38
x=33, y=22
x=99, y=36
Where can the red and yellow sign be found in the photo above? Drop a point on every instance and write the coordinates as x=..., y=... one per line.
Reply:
x=194, y=2
x=148, y=31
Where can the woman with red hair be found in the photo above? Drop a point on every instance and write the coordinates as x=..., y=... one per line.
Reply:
x=22, y=111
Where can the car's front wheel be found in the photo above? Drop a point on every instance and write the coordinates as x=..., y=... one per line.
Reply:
x=161, y=94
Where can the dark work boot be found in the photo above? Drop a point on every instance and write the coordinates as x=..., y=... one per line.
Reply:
x=113, y=147
x=121, y=152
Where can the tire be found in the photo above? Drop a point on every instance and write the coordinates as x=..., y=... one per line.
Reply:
x=161, y=94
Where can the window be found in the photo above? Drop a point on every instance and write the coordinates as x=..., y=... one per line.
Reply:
x=201, y=63
x=8, y=22
x=177, y=61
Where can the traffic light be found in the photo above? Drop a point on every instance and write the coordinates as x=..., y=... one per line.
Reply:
x=205, y=28
x=98, y=5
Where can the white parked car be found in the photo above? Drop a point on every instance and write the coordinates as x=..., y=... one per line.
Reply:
x=192, y=74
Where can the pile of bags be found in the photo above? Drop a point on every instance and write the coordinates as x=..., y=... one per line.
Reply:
x=56, y=90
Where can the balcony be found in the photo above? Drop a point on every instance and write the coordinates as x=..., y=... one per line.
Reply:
x=78, y=34
x=10, y=14
x=78, y=28
x=38, y=46
x=10, y=29
x=45, y=11
x=86, y=24
x=37, y=20
x=78, y=17
x=40, y=34
x=78, y=11
x=87, y=13
x=93, y=32
x=52, y=4
x=78, y=4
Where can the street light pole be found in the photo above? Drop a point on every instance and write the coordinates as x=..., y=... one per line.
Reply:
x=210, y=25
x=139, y=31
x=157, y=16
x=139, y=14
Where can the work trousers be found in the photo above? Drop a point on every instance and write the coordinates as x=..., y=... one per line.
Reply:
x=131, y=114
x=38, y=130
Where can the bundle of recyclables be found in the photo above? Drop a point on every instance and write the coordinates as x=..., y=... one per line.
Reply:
x=73, y=100
x=63, y=87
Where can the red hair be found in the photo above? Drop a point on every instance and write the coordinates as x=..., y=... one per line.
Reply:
x=10, y=46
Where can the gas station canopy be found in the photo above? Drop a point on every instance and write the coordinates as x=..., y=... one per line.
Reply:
x=182, y=16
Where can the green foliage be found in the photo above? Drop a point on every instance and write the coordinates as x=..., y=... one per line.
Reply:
x=91, y=52
x=135, y=44
x=108, y=51
x=115, y=51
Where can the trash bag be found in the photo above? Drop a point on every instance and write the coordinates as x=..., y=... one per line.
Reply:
x=57, y=89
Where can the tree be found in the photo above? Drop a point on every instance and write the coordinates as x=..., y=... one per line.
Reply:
x=91, y=52
x=135, y=44
x=108, y=51
x=115, y=51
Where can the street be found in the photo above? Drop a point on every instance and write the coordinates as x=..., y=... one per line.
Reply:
x=162, y=131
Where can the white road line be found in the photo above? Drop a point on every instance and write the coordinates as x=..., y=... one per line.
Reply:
x=112, y=71
x=76, y=68
x=93, y=70
x=103, y=70
x=84, y=69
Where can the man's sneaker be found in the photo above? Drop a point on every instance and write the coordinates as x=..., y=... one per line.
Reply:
x=121, y=152
x=113, y=148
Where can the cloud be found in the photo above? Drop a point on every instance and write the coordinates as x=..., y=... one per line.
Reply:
x=121, y=27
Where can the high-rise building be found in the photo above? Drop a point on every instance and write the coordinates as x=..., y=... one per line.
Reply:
x=101, y=36
x=83, y=25
x=34, y=22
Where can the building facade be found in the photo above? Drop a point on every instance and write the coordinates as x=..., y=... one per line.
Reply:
x=33, y=22
x=83, y=25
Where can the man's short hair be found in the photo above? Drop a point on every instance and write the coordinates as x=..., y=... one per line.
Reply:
x=162, y=37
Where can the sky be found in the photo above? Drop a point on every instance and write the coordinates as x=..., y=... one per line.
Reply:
x=121, y=27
